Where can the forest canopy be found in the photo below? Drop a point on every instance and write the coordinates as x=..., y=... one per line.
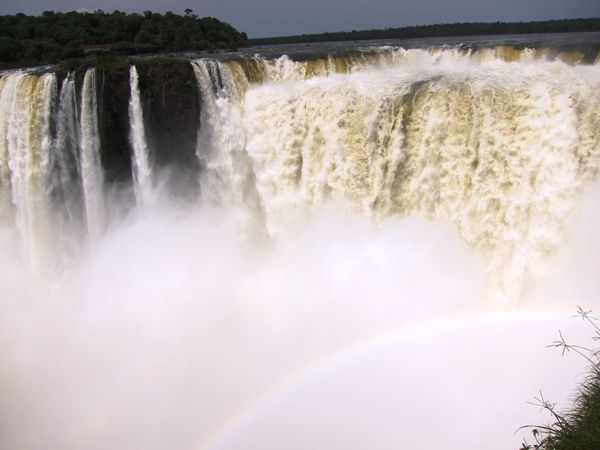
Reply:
x=442, y=29
x=55, y=36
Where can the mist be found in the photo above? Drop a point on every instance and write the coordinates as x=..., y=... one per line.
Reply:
x=177, y=330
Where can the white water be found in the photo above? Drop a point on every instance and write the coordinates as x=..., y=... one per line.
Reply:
x=67, y=168
x=26, y=141
x=400, y=201
x=500, y=153
x=141, y=162
x=91, y=170
x=221, y=139
x=7, y=109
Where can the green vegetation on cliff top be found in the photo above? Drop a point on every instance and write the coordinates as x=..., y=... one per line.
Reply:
x=54, y=36
x=442, y=29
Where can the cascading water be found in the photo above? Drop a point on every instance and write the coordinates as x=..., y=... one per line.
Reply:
x=141, y=162
x=65, y=183
x=228, y=178
x=7, y=107
x=26, y=138
x=394, y=196
x=91, y=169
x=221, y=139
x=66, y=171
x=447, y=135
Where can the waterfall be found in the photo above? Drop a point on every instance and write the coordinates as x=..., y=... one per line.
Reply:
x=362, y=220
x=25, y=137
x=228, y=178
x=91, y=169
x=455, y=136
x=498, y=142
x=8, y=104
x=66, y=172
x=141, y=163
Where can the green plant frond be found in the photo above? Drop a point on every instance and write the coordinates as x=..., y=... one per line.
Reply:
x=579, y=427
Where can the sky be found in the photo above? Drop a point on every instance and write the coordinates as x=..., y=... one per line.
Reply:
x=260, y=18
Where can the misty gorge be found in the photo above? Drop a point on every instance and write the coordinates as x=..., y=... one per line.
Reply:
x=338, y=250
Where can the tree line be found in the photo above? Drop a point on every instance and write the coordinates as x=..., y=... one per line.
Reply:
x=443, y=29
x=55, y=36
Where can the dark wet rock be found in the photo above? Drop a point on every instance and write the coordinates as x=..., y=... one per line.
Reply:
x=113, y=123
x=171, y=114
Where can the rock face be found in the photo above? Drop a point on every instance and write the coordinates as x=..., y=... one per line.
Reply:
x=171, y=109
x=172, y=118
x=113, y=123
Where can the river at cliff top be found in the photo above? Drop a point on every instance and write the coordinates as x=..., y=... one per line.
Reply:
x=359, y=245
x=588, y=42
